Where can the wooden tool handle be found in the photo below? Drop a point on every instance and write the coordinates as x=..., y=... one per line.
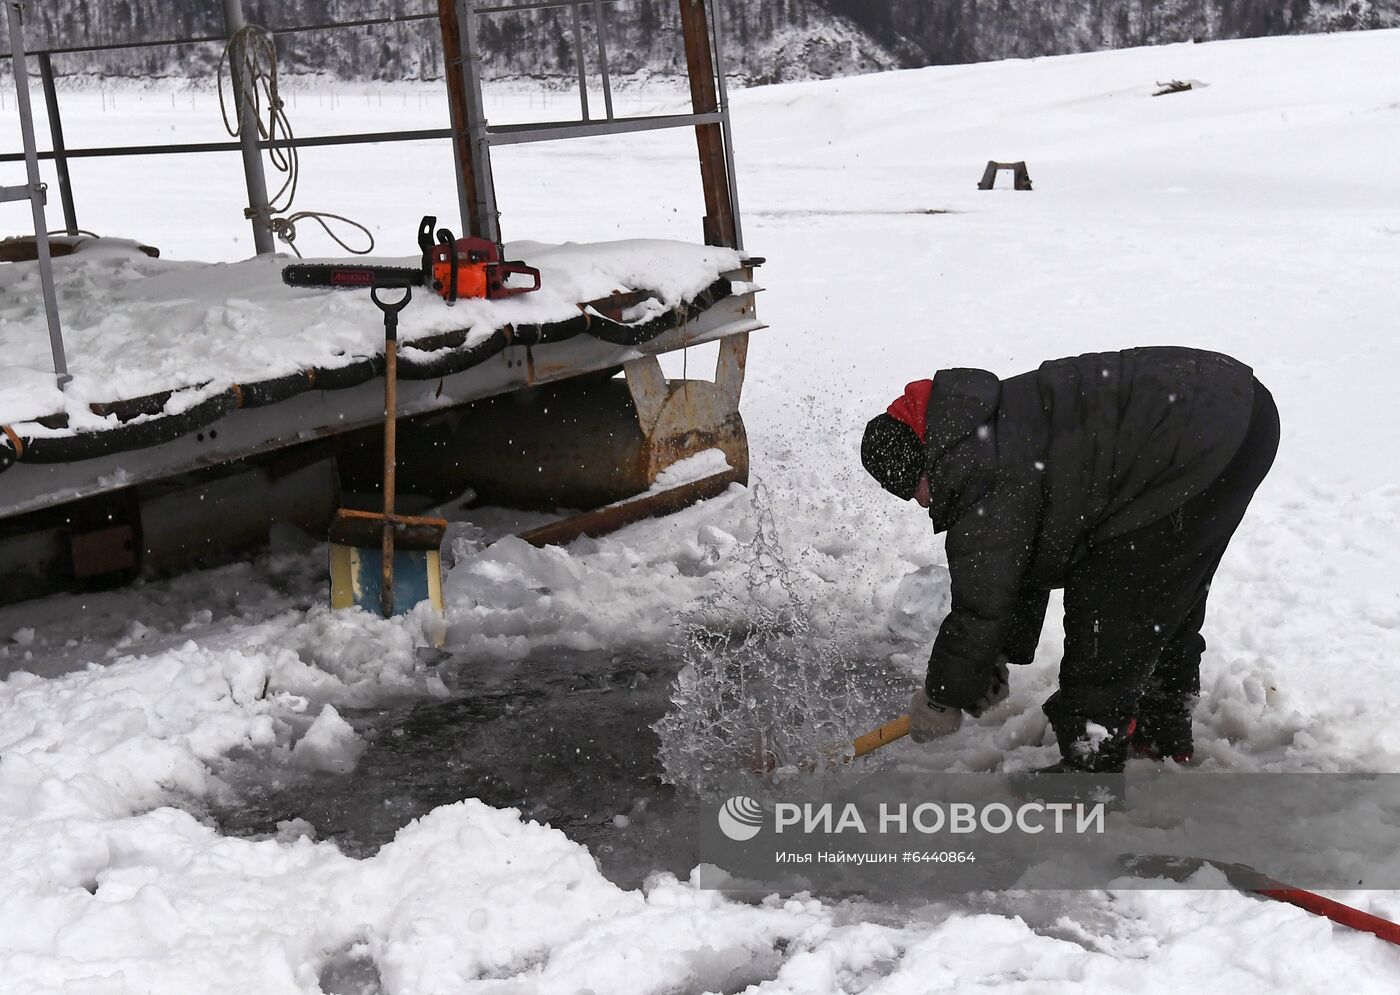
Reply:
x=883, y=736
x=391, y=309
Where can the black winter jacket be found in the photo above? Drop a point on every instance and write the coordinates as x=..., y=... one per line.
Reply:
x=1025, y=474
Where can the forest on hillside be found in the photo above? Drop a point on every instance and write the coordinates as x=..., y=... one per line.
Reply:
x=765, y=40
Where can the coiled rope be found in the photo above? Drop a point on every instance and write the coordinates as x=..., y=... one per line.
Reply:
x=255, y=74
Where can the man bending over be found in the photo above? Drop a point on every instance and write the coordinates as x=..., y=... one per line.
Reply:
x=1118, y=476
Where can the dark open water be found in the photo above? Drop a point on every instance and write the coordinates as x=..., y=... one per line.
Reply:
x=564, y=736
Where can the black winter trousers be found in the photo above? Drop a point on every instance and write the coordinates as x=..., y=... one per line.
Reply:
x=1134, y=607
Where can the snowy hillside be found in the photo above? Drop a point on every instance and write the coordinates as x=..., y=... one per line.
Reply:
x=1255, y=214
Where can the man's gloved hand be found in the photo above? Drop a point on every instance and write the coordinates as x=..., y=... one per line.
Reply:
x=928, y=721
x=997, y=692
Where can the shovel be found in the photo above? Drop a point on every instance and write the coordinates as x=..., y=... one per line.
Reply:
x=884, y=735
x=386, y=563
x=764, y=762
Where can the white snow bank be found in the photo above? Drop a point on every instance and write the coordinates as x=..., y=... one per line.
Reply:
x=133, y=325
x=159, y=903
x=101, y=882
x=107, y=741
x=1169, y=941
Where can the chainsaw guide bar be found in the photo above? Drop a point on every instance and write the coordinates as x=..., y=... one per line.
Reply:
x=349, y=276
x=453, y=268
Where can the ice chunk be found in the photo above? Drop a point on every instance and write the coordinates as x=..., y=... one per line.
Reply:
x=331, y=744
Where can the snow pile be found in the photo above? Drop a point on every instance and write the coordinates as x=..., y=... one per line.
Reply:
x=102, y=881
x=465, y=894
x=535, y=908
x=1173, y=941
x=106, y=741
x=111, y=739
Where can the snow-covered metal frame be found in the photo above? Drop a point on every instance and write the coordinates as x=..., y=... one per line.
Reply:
x=116, y=485
x=474, y=136
x=325, y=413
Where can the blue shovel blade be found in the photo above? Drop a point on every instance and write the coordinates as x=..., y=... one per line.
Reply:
x=356, y=574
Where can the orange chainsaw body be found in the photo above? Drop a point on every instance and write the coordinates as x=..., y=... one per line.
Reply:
x=474, y=255
x=470, y=267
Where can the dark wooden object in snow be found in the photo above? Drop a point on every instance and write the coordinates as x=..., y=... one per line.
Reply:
x=1171, y=86
x=24, y=248
x=1018, y=171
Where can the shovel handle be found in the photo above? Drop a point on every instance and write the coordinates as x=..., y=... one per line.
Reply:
x=883, y=736
x=391, y=308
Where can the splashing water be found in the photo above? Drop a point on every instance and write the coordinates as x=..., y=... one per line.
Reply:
x=771, y=681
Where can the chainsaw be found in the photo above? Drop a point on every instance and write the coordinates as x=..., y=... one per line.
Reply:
x=453, y=268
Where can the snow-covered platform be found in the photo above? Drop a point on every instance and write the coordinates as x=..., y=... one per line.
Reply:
x=181, y=365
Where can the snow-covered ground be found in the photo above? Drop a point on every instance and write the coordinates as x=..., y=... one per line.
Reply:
x=1255, y=214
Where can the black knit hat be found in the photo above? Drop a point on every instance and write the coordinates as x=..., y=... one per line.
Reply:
x=893, y=455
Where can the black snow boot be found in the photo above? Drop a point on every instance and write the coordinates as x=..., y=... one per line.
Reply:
x=1091, y=748
x=1164, y=732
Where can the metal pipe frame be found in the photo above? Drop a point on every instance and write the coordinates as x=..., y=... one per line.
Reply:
x=34, y=192
x=463, y=158
x=716, y=29
x=107, y=151
x=486, y=212
x=482, y=136
x=578, y=61
x=600, y=32
x=258, y=213
x=716, y=114
x=701, y=64
x=539, y=5
x=520, y=134
x=65, y=183
x=511, y=134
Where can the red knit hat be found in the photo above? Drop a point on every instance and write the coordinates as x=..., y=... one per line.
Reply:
x=911, y=407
